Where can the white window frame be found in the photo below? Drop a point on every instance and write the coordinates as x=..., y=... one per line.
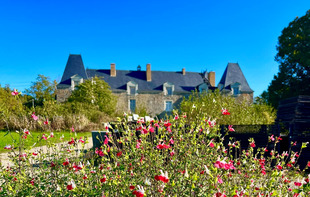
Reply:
x=132, y=84
x=75, y=81
x=165, y=105
x=168, y=85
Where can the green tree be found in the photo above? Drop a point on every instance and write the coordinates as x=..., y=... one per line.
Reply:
x=94, y=93
x=43, y=89
x=293, y=56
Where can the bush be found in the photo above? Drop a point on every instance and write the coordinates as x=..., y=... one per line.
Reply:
x=158, y=158
x=207, y=105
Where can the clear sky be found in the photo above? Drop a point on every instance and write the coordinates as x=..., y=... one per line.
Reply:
x=38, y=36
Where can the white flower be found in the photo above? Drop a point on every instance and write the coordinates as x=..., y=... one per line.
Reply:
x=147, y=182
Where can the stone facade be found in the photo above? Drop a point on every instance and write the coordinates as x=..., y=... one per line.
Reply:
x=155, y=104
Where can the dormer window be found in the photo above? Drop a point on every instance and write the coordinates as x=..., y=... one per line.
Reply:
x=168, y=89
x=75, y=81
x=203, y=88
x=132, y=88
x=235, y=89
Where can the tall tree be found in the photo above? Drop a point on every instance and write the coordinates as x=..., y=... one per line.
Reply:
x=43, y=89
x=95, y=93
x=293, y=56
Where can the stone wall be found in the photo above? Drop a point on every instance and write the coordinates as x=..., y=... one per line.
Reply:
x=63, y=94
x=153, y=103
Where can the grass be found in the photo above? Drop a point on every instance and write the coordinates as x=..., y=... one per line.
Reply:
x=12, y=138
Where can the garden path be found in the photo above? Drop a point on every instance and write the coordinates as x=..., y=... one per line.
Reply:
x=5, y=160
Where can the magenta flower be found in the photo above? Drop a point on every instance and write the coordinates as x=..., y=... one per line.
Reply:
x=46, y=122
x=44, y=137
x=52, y=134
x=225, y=112
x=139, y=192
x=81, y=140
x=230, y=128
x=34, y=117
x=15, y=92
x=8, y=147
x=162, y=177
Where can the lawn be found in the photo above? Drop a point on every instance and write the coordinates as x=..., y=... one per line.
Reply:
x=12, y=138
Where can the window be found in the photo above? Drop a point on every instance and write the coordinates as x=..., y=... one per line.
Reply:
x=132, y=90
x=168, y=106
x=132, y=105
x=236, y=90
x=169, y=91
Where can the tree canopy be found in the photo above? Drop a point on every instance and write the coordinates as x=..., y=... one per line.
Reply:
x=95, y=93
x=293, y=56
x=43, y=89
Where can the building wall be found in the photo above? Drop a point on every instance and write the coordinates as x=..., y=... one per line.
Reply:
x=153, y=103
x=63, y=94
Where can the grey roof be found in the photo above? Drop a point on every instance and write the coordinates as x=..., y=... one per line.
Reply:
x=182, y=83
x=233, y=74
x=74, y=66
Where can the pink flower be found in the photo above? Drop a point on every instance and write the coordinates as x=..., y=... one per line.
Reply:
x=279, y=167
x=8, y=147
x=151, y=129
x=139, y=192
x=81, y=140
x=272, y=138
x=99, y=152
x=71, y=185
x=253, y=144
x=26, y=132
x=298, y=184
x=225, y=112
x=72, y=129
x=104, y=179
x=44, y=137
x=46, y=122
x=15, y=92
x=211, y=144
x=172, y=153
x=211, y=123
x=230, y=128
x=162, y=177
x=106, y=140
x=219, y=180
x=71, y=142
x=162, y=146
x=85, y=176
x=51, y=134
x=171, y=141
x=34, y=117
x=119, y=154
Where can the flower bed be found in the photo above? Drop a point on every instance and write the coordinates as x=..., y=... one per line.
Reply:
x=176, y=157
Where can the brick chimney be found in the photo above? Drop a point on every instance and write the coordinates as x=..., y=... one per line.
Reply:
x=211, y=76
x=183, y=71
x=113, y=70
x=148, y=72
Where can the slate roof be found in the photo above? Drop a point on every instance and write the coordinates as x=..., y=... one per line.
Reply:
x=233, y=74
x=182, y=83
x=74, y=66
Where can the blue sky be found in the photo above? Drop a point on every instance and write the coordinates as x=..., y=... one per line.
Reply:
x=38, y=36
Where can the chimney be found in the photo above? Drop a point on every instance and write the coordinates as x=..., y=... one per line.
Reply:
x=183, y=71
x=113, y=71
x=148, y=72
x=211, y=76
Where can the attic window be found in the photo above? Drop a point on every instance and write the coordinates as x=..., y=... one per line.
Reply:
x=168, y=89
x=132, y=88
x=203, y=88
x=235, y=89
x=75, y=81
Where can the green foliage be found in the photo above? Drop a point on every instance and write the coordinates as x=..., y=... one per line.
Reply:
x=94, y=94
x=42, y=89
x=294, y=59
x=209, y=105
